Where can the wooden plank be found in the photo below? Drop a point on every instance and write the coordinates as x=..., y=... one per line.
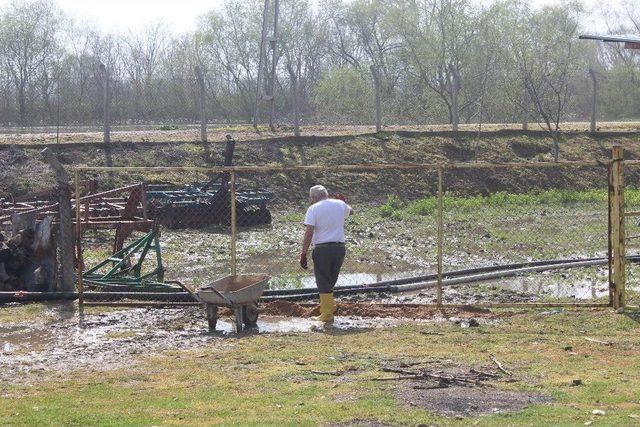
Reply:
x=78, y=225
x=617, y=236
x=609, y=234
x=65, y=235
x=440, y=220
x=234, y=227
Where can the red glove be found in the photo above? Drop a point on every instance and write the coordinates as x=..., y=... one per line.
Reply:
x=303, y=261
x=340, y=197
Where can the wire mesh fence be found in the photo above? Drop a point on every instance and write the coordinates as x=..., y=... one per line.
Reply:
x=500, y=241
x=533, y=232
x=151, y=230
x=632, y=233
x=381, y=244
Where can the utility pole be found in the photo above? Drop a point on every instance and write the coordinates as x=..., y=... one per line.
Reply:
x=202, y=103
x=594, y=101
x=273, y=41
x=262, y=62
x=106, y=104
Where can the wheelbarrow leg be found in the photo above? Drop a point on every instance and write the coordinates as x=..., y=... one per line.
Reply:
x=250, y=315
x=239, y=322
x=212, y=316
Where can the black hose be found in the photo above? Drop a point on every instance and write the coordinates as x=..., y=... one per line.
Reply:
x=384, y=286
x=457, y=277
x=449, y=279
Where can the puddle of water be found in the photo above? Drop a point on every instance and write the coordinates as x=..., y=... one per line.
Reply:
x=17, y=339
x=345, y=279
x=541, y=285
x=277, y=324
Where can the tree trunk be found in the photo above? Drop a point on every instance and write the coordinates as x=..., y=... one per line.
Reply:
x=22, y=104
x=594, y=100
x=106, y=104
x=295, y=100
x=556, y=147
x=377, y=89
x=202, y=104
x=525, y=110
x=455, y=90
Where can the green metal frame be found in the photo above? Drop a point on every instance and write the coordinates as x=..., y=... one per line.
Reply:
x=122, y=276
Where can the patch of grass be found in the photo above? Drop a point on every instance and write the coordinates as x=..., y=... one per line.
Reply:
x=267, y=379
x=168, y=127
x=395, y=207
x=21, y=313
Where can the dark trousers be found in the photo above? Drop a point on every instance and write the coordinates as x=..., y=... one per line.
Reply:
x=327, y=262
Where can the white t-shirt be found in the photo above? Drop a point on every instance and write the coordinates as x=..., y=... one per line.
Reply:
x=327, y=217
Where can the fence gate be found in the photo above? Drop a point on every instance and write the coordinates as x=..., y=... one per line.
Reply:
x=617, y=236
x=624, y=230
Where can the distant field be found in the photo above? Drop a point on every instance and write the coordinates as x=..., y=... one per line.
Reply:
x=190, y=133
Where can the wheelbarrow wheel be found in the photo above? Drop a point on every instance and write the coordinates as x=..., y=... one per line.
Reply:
x=250, y=315
x=212, y=316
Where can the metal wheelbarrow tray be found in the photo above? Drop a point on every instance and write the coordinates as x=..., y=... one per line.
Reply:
x=240, y=293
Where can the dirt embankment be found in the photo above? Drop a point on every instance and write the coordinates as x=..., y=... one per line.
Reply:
x=22, y=170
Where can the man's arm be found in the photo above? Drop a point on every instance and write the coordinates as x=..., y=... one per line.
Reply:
x=308, y=236
x=306, y=242
x=340, y=196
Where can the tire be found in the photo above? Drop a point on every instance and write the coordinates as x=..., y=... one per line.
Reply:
x=250, y=315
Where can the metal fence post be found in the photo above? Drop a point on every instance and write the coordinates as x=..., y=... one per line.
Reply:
x=234, y=227
x=617, y=229
x=78, y=231
x=440, y=232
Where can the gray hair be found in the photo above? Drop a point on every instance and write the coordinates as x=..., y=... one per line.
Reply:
x=318, y=192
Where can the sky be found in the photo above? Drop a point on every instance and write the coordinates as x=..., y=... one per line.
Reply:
x=181, y=15
x=129, y=15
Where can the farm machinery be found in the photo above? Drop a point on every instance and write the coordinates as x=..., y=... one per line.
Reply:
x=202, y=204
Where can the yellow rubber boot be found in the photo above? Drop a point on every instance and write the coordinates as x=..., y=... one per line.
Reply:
x=327, y=308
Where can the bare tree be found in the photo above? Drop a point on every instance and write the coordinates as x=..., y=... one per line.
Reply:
x=303, y=44
x=144, y=52
x=439, y=36
x=547, y=59
x=370, y=22
x=229, y=38
x=28, y=39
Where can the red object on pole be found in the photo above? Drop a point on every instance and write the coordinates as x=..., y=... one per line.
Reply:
x=632, y=45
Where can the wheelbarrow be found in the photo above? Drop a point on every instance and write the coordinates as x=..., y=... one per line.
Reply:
x=240, y=293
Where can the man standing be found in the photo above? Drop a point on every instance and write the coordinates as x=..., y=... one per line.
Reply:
x=324, y=224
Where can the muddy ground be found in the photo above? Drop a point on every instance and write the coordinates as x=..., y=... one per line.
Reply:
x=460, y=402
x=63, y=340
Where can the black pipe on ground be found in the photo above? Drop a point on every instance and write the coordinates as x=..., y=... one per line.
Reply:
x=454, y=278
x=384, y=285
